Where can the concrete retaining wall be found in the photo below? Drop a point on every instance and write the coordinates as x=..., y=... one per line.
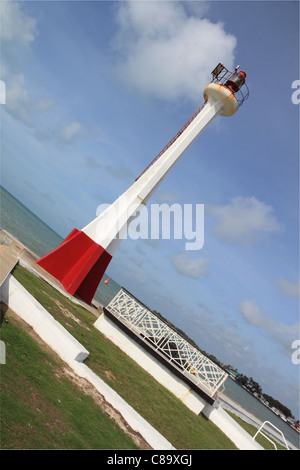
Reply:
x=164, y=376
x=33, y=313
x=231, y=428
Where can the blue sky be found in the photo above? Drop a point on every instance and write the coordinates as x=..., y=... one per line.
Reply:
x=94, y=90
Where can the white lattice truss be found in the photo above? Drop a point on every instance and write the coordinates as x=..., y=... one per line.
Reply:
x=168, y=343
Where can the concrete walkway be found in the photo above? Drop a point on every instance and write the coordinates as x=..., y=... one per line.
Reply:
x=10, y=252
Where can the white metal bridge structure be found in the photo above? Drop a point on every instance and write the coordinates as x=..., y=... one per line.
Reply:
x=166, y=344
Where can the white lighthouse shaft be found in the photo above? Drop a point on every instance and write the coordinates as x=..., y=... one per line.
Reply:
x=110, y=226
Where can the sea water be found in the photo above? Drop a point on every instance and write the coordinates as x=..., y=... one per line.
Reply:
x=39, y=238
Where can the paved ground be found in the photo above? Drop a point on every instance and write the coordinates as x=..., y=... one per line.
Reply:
x=10, y=252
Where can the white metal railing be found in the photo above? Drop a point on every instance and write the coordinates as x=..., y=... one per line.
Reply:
x=263, y=434
x=168, y=343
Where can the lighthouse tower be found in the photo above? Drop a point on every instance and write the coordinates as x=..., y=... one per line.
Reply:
x=80, y=261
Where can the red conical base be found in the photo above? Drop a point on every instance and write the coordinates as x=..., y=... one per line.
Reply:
x=78, y=263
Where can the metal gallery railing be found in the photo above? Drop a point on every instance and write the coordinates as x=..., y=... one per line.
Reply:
x=220, y=75
x=168, y=343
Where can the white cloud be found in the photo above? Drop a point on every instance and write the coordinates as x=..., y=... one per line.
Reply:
x=192, y=267
x=259, y=318
x=244, y=220
x=167, y=52
x=18, y=31
x=44, y=104
x=72, y=131
x=120, y=172
x=16, y=26
x=287, y=287
x=19, y=102
x=220, y=339
x=17, y=99
x=93, y=164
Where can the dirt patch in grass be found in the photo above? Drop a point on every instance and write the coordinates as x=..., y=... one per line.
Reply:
x=88, y=389
x=66, y=312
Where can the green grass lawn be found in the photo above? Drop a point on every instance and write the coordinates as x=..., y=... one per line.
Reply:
x=40, y=407
x=33, y=375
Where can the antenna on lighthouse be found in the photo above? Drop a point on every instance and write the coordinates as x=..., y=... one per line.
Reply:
x=80, y=261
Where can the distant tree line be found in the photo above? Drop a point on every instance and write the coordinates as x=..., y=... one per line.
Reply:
x=273, y=402
x=254, y=387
